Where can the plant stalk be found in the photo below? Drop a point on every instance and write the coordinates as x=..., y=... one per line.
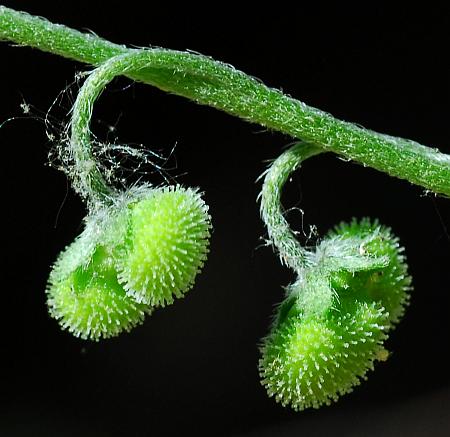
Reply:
x=219, y=85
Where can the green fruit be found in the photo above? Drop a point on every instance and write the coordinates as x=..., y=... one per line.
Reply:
x=166, y=245
x=308, y=362
x=389, y=285
x=89, y=301
x=332, y=325
x=137, y=253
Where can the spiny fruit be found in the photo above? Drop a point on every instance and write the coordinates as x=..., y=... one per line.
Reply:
x=316, y=353
x=89, y=301
x=166, y=245
x=307, y=362
x=389, y=285
x=133, y=255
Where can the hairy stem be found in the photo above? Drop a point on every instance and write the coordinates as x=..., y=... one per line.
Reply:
x=87, y=177
x=280, y=234
x=219, y=85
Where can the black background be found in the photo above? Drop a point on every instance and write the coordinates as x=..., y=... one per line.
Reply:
x=192, y=367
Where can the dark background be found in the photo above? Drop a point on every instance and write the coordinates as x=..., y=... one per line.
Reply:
x=192, y=367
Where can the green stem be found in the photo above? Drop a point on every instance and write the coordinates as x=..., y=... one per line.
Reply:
x=219, y=85
x=86, y=175
x=280, y=234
